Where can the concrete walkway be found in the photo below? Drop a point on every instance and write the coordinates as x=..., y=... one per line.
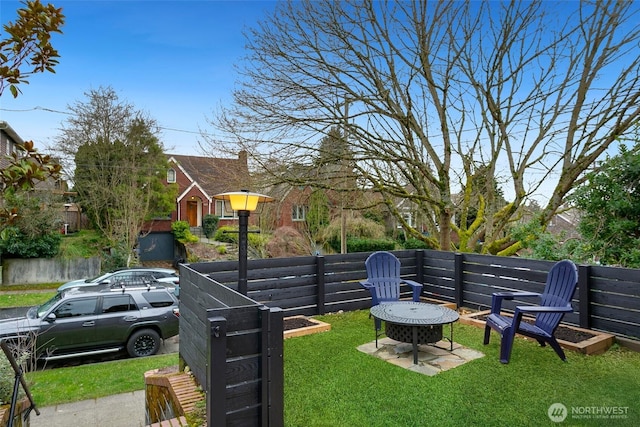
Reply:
x=120, y=410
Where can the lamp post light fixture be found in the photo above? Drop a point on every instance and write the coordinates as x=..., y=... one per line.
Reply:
x=243, y=202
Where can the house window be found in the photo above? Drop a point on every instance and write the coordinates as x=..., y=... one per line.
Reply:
x=223, y=209
x=298, y=213
x=408, y=217
x=171, y=176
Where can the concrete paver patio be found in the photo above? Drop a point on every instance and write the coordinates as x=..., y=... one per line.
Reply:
x=432, y=359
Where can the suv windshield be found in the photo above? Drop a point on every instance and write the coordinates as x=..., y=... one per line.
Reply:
x=47, y=305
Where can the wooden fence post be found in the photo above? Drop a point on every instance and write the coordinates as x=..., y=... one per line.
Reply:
x=272, y=400
x=584, y=306
x=216, y=368
x=458, y=282
x=321, y=288
x=420, y=266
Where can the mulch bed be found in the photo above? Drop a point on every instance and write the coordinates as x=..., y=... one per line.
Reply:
x=564, y=333
x=297, y=323
x=571, y=335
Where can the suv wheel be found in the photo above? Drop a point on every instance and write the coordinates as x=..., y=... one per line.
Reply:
x=144, y=342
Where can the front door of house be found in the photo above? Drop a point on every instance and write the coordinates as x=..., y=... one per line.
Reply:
x=192, y=213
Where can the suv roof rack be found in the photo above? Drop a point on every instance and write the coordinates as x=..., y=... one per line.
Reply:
x=123, y=289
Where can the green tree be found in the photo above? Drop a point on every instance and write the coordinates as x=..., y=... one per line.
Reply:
x=27, y=49
x=533, y=92
x=334, y=153
x=120, y=167
x=610, y=205
x=25, y=167
x=26, y=228
x=35, y=231
x=537, y=242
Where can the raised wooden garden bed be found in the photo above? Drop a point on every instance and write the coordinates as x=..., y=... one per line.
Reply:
x=297, y=326
x=451, y=305
x=570, y=337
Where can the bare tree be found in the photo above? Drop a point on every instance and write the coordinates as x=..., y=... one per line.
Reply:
x=530, y=94
x=119, y=167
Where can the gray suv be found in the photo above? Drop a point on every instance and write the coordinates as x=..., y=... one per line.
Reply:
x=82, y=322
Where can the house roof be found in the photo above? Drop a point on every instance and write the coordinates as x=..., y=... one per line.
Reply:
x=6, y=128
x=214, y=175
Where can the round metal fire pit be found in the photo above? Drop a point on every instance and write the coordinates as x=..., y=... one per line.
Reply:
x=415, y=322
x=404, y=333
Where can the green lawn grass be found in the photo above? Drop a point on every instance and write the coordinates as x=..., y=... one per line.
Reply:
x=82, y=244
x=24, y=298
x=328, y=382
x=62, y=385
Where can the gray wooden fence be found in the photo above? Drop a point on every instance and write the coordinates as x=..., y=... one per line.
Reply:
x=607, y=299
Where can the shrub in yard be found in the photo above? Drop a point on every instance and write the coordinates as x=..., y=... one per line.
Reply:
x=182, y=232
x=7, y=374
x=369, y=245
x=34, y=232
x=357, y=228
x=209, y=225
x=255, y=241
x=416, y=244
x=115, y=258
x=16, y=244
x=286, y=242
x=258, y=242
x=7, y=377
x=226, y=234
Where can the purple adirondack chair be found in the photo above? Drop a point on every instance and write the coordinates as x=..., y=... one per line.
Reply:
x=555, y=301
x=383, y=280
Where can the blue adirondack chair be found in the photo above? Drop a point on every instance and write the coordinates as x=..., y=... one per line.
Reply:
x=555, y=301
x=383, y=280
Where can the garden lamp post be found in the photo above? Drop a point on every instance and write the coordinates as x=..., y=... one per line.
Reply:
x=243, y=202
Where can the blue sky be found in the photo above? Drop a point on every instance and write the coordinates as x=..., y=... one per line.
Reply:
x=173, y=59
